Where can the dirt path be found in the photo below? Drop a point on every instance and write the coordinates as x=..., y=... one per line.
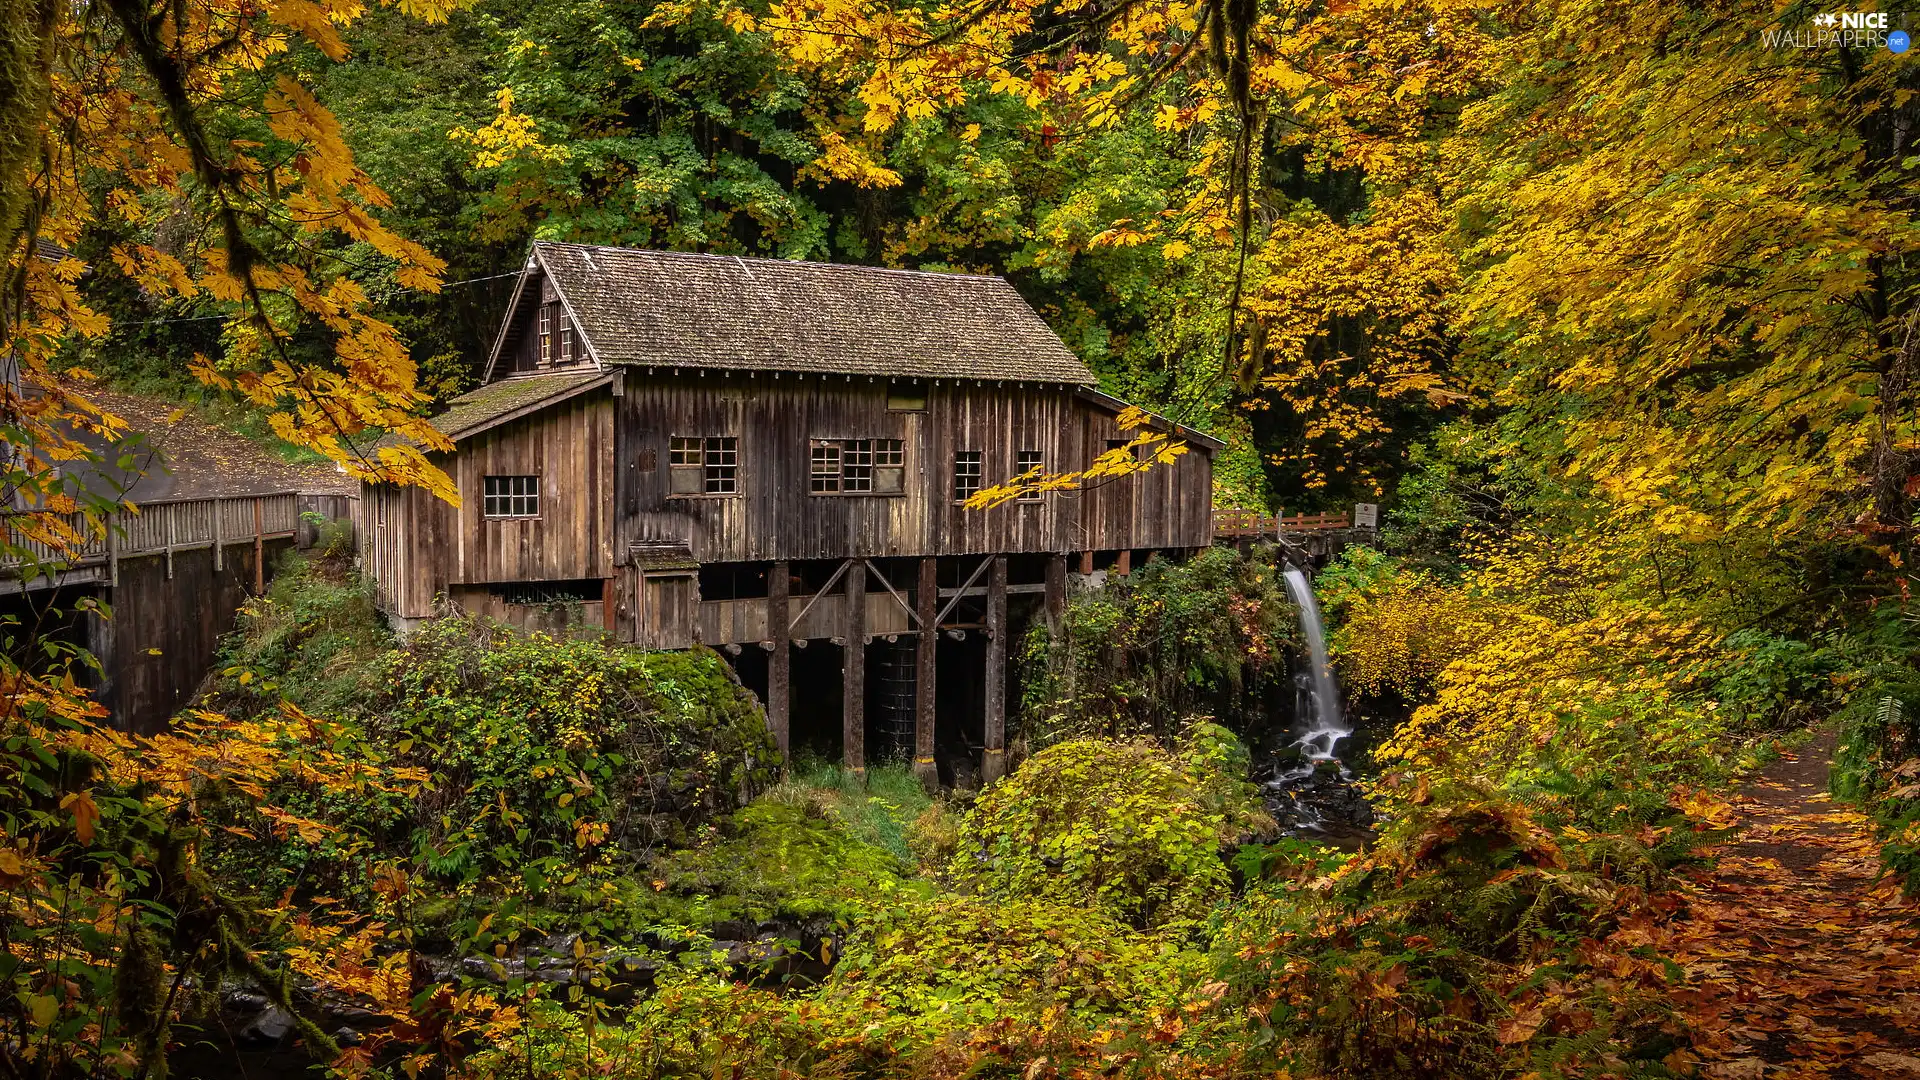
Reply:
x=1802, y=963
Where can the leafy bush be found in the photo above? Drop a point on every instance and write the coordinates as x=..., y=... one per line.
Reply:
x=542, y=748
x=971, y=960
x=1123, y=827
x=1166, y=641
x=313, y=639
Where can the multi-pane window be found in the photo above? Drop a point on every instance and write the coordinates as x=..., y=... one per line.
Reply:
x=511, y=497
x=857, y=466
x=1029, y=461
x=966, y=474
x=704, y=466
x=823, y=471
x=566, y=340
x=546, y=333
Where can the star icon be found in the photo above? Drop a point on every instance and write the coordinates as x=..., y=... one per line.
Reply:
x=1825, y=19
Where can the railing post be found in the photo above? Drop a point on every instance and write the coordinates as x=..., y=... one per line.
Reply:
x=170, y=523
x=219, y=505
x=259, y=553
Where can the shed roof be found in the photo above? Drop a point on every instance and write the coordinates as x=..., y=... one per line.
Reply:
x=494, y=403
x=720, y=311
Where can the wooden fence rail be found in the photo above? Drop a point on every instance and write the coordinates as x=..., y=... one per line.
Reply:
x=1233, y=523
x=166, y=527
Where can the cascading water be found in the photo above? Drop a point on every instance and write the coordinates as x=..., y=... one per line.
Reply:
x=1327, y=727
x=1308, y=791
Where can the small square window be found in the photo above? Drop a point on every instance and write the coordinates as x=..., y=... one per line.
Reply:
x=511, y=497
x=966, y=474
x=1029, y=461
x=703, y=466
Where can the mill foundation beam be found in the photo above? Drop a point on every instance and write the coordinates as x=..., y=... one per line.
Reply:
x=925, y=598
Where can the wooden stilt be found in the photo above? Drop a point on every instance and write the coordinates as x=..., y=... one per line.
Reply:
x=926, y=599
x=1123, y=564
x=853, y=700
x=994, y=763
x=1056, y=592
x=1086, y=562
x=780, y=661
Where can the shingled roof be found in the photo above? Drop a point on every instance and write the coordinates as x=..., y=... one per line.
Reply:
x=494, y=403
x=719, y=311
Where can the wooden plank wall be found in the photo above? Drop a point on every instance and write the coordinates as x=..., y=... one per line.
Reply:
x=415, y=546
x=775, y=517
x=165, y=629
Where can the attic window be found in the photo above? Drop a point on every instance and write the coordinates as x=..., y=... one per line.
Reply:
x=566, y=340
x=906, y=397
x=546, y=333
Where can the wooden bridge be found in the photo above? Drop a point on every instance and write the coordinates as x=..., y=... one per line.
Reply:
x=163, y=528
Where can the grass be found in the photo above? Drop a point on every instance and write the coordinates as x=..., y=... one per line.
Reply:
x=878, y=808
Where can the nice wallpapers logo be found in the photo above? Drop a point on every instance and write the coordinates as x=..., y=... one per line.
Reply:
x=1843, y=30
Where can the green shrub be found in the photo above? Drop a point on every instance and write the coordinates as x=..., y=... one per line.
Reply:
x=1123, y=827
x=1166, y=641
x=971, y=960
x=542, y=748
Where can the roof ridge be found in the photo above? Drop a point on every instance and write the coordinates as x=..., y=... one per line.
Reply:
x=942, y=274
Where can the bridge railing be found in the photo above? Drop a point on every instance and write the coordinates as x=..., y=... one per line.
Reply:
x=1235, y=523
x=166, y=526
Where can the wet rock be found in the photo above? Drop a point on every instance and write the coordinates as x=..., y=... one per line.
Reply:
x=266, y=1029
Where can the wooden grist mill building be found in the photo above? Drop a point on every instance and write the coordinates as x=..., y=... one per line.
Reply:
x=768, y=458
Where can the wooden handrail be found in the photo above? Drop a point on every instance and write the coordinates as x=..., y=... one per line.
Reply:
x=173, y=525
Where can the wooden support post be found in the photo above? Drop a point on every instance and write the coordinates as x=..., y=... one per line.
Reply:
x=1056, y=593
x=853, y=695
x=1086, y=562
x=1123, y=563
x=609, y=605
x=218, y=563
x=994, y=764
x=780, y=661
x=925, y=599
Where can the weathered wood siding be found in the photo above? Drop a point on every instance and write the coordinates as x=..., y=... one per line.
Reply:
x=774, y=516
x=416, y=546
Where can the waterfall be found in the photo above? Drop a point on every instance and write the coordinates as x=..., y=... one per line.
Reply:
x=1327, y=727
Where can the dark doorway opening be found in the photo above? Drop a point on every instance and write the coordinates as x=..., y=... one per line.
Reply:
x=959, y=732
x=813, y=724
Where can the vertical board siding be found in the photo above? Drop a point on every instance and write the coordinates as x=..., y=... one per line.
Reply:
x=774, y=516
x=605, y=481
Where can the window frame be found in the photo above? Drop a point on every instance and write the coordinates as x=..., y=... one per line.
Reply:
x=1025, y=461
x=978, y=460
x=712, y=471
x=546, y=333
x=862, y=467
x=528, y=501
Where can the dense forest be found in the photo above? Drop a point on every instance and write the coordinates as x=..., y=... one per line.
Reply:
x=1606, y=304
